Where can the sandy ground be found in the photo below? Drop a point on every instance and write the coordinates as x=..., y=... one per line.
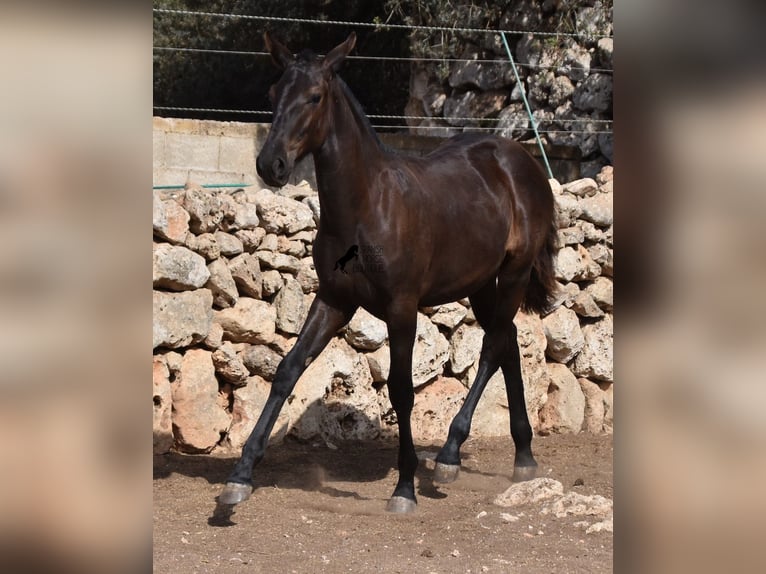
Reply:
x=317, y=509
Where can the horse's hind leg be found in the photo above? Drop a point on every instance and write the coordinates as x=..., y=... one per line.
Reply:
x=448, y=460
x=495, y=308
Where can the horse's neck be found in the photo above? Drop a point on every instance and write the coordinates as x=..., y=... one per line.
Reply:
x=346, y=162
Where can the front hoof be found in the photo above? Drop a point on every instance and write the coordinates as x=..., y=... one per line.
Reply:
x=234, y=493
x=523, y=473
x=445, y=473
x=401, y=505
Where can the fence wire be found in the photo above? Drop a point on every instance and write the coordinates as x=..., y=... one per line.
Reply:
x=380, y=25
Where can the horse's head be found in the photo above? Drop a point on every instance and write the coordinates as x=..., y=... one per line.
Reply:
x=300, y=100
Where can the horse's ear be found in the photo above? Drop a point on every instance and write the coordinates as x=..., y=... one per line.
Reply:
x=279, y=53
x=335, y=58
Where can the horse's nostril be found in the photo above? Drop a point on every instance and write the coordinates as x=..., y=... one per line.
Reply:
x=278, y=167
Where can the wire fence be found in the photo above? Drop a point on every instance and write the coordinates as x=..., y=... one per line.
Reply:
x=379, y=25
x=578, y=125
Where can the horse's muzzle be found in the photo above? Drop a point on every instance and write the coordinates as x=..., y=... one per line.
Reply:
x=274, y=170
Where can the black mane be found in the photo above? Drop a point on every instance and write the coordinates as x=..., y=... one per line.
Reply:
x=358, y=111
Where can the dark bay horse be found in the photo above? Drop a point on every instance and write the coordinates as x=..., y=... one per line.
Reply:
x=472, y=219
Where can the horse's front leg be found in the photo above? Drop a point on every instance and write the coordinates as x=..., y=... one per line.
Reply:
x=322, y=322
x=402, y=323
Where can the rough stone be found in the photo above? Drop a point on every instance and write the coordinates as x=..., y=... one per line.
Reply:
x=606, y=175
x=465, y=347
x=279, y=261
x=473, y=105
x=379, y=362
x=162, y=425
x=492, y=415
x=291, y=308
x=298, y=191
x=584, y=305
x=530, y=491
x=307, y=276
x=204, y=244
x=576, y=504
x=575, y=264
x=229, y=365
x=602, y=292
x=599, y=253
x=598, y=209
x=605, y=51
x=513, y=121
x=177, y=268
x=205, y=210
x=250, y=238
x=595, y=359
x=169, y=220
x=271, y=282
x=181, y=319
x=594, y=406
x=435, y=407
x=282, y=344
x=288, y=247
x=592, y=233
x=352, y=411
x=261, y=360
x=248, y=321
x=449, y=315
x=430, y=353
x=270, y=242
x=365, y=331
x=590, y=269
x=564, y=411
x=229, y=245
x=198, y=418
x=585, y=187
x=248, y=403
x=246, y=273
x=245, y=217
x=561, y=90
x=281, y=214
x=571, y=236
x=214, y=337
x=577, y=61
x=534, y=370
x=334, y=398
x=567, y=210
x=565, y=295
x=563, y=334
x=608, y=389
x=221, y=284
x=482, y=75
x=313, y=204
x=594, y=94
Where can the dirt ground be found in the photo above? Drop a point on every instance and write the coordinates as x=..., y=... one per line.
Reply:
x=317, y=509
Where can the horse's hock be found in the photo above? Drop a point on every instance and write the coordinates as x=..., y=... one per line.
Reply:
x=233, y=279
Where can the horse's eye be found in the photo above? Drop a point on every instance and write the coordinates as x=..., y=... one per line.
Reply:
x=315, y=99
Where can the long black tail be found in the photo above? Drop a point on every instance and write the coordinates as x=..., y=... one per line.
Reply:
x=541, y=290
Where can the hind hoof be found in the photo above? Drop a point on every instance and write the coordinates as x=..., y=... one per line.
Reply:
x=524, y=473
x=401, y=505
x=446, y=472
x=234, y=493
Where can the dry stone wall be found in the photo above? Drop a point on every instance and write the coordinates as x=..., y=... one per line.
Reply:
x=233, y=279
